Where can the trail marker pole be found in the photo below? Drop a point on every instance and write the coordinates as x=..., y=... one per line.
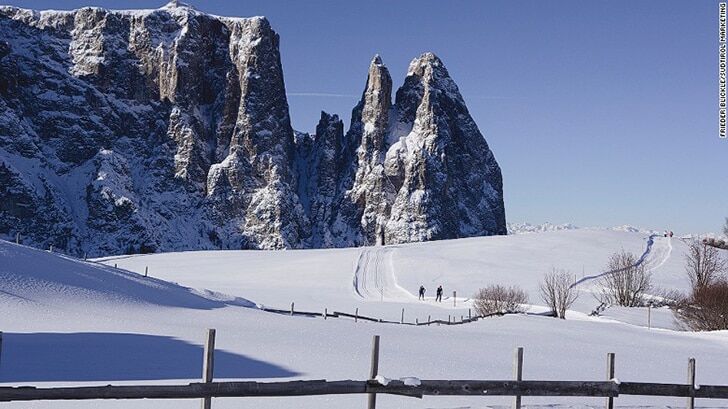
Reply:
x=518, y=374
x=208, y=363
x=649, y=316
x=691, y=382
x=374, y=371
x=610, y=377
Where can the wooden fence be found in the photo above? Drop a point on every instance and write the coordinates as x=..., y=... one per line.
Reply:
x=207, y=389
x=325, y=314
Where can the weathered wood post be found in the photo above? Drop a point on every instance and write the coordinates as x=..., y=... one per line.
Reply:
x=356, y=315
x=208, y=364
x=374, y=371
x=610, y=377
x=292, y=304
x=454, y=298
x=517, y=374
x=691, y=382
x=401, y=320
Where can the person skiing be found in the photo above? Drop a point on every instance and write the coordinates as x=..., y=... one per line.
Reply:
x=422, y=293
x=438, y=297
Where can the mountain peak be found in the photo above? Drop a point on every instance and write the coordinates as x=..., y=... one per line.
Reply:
x=419, y=65
x=174, y=4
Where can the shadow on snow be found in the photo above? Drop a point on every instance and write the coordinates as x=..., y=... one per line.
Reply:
x=91, y=356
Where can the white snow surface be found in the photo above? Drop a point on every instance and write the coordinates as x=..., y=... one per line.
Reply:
x=69, y=322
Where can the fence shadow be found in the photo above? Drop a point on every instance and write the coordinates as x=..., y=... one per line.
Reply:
x=91, y=356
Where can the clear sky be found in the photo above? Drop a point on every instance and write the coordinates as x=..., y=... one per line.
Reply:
x=599, y=113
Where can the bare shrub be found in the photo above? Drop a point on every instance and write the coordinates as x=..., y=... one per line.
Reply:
x=706, y=309
x=497, y=299
x=704, y=264
x=626, y=282
x=558, y=291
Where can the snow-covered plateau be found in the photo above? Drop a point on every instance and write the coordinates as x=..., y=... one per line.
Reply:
x=69, y=322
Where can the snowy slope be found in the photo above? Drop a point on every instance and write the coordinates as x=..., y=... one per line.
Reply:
x=119, y=336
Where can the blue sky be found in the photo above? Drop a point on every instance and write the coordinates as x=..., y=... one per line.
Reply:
x=599, y=113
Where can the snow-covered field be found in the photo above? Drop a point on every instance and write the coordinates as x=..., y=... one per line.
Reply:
x=68, y=322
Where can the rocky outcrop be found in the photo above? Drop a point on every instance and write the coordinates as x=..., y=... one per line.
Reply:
x=169, y=129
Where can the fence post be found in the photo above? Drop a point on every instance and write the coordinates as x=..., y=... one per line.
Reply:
x=115, y=265
x=470, y=313
x=356, y=315
x=429, y=319
x=326, y=312
x=691, y=382
x=374, y=371
x=146, y=270
x=208, y=363
x=401, y=321
x=448, y=319
x=610, y=377
x=454, y=298
x=518, y=374
x=417, y=321
x=292, y=304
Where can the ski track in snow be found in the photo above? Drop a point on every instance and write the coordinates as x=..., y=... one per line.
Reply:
x=374, y=276
x=654, y=256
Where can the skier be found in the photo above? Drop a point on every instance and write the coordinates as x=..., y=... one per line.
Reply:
x=438, y=297
x=422, y=293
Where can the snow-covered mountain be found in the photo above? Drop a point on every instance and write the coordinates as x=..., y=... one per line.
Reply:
x=169, y=129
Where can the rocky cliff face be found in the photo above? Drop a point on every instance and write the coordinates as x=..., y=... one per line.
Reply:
x=168, y=129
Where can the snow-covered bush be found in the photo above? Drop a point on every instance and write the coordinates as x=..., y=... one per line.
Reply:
x=627, y=281
x=497, y=299
x=558, y=291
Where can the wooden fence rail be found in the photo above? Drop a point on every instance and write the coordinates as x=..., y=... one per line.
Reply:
x=603, y=389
